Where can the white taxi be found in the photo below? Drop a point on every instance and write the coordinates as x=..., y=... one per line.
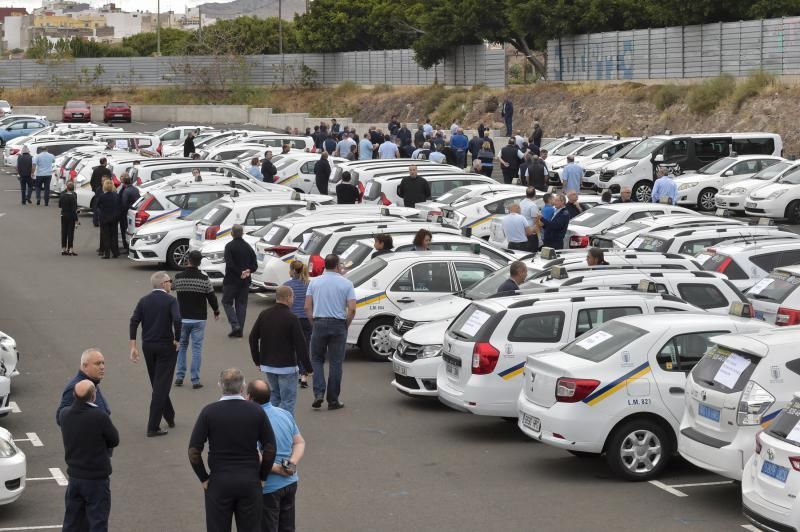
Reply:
x=771, y=478
x=486, y=346
x=297, y=171
x=698, y=189
x=776, y=298
x=618, y=389
x=9, y=356
x=620, y=236
x=389, y=283
x=478, y=212
x=745, y=262
x=12, y=469
x=431, y=211
x=736, y=390
x=780, y=199
x=732, y=197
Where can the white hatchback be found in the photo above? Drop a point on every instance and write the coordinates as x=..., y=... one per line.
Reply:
x=12, y=469
x=732, y=197
x=776, y=298
x=618, y=389
x=780, y=199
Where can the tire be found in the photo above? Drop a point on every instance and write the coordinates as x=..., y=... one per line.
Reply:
x=178, y=255
x=642, y=191
x=638, y=450
x=705, y=200
x=793, y=212
x=374, y=339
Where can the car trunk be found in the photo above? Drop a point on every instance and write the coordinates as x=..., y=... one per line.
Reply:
x=543, y=371
x=768, y=295
x=467, y=349
x=780, y=451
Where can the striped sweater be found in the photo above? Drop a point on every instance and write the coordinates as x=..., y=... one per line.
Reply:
x=193, y=290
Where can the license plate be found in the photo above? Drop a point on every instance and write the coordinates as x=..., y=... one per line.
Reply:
x=708, y=412
x=198, y=237
x=451, y=369
x=260, y=257
x=117, y=116
x=77, y=115
x=533, y=423
x=759, y=315
x=750, y=205
x=400, y=370
x=775, y=471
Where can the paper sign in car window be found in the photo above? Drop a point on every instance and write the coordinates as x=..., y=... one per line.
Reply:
x=636, y=242
x=761, y=285
x=617, y=230
x=794, y=434
x=730, y=370
x=367, y=188
x=270, y=234
x=210, y=214
x=591, y=341
x=475, y=322
x=349, y=250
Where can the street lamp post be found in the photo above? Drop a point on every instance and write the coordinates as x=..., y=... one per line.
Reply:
x=280, y=40
x=158, y=28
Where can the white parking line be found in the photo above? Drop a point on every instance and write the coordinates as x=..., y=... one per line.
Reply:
x=751, y=528
x=33, y=438
x=668, y=489
x=14, y=408
x=45, y=527
x=259, y=294
x=719, y=483
x=58, y=476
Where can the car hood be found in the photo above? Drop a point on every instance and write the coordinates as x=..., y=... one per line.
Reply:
x=164, y=225
x=429, y=333
x=690, y=178
x=215, y=246
x=448, y=307
x=764, y=192
x=619, y=163
x=748, y=184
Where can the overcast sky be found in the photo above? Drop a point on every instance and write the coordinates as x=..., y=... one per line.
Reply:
x=179, y=6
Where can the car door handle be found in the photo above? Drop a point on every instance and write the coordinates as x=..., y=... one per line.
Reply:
x=676, y=390
x=405, y=300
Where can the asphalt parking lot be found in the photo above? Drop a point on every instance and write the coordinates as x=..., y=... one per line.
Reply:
x=384, y=463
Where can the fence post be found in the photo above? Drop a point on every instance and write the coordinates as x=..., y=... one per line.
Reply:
x=683, y=52
x=720, y=48
x=761, y=46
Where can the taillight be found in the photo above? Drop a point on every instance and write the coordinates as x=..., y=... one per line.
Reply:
x=384, y=200
x=758, y=442
x=795, y=461
x=159, y=148
x=787, y=316
x=317, y=266
x=484, y=358
x=574, y=390
x=14, y=151
x=211, y=232
x=360, y=191
x=754, y=403
x=73, y=174
x=140, y=218
x=722, y=265
x=115, y=180
x=577, y=241
x=280, y=251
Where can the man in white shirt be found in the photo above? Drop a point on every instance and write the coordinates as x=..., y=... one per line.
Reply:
x=530, y=211
x=517, y=229
x=388, y=150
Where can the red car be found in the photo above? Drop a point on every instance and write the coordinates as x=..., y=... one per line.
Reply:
x=117, y=111
x=77, y=111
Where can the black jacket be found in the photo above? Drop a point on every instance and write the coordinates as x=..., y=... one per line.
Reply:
x=404, y=135
x=188, y=146
x=536, y=175
x=509, y=154
x=24, y=164
x=474, y=146
x=277, y=339
x=268, y=170
x=239, y=256
x=346, y=194
x=96, y=181
x=127, y=197
x=68, y=395
x=193, y=290
x=536, y=136
x=555, y=229
x=322, y=170
x=108, y=207
x=88, y=435
x=68, y=203
x=160, y=317
x=573, y=209
x=414, y=190
x=419, y=138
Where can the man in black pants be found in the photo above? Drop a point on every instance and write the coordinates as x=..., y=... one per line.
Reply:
x=240, y=263
x=322, y=173
x=509, y=161
x=88, y=436
x=234, y=429
x=161, y=330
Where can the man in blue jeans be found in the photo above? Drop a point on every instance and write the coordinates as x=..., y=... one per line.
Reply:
x=43, y=170
x=194, y=290
x=331, y=306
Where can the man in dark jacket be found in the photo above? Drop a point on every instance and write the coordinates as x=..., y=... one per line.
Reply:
x=517, y=273
x=346, y=193
x=128, y=195
x=93, y=368
x=537, y=174
x=329, y=146
x=507, y=112
x=624, y=196
x=322, y=173
x=278, y=345
x=240, y=263
x=24, y=170
x=556, y=227
x=194, y=292
x=474, y=147
x=107, y=209
x=188, y=144
x=413, y=189
x=509, y=161
x=100, y=172
x=536, y=135
x=268, y=169
x=88, y=435
x=419, y=137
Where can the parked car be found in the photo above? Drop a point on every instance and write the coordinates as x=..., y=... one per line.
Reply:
x=12, y=469
x=76, y=111
x=780, y=199
x=732, y=197
x=18, y=128
x=117, y=111
x=775, y=298
x=5, y=108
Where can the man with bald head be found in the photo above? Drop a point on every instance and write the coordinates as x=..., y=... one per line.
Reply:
x=88, y=436
x=93, y=369
x=517, y=229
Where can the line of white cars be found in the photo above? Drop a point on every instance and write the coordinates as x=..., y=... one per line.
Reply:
x=13, y=464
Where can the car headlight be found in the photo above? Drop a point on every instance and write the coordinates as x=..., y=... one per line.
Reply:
x=151, y=238
x=777, y=194
x=215, y=258
x=626, y=170
x=684, y=186
x=7, y=448
x=737, y=190
x=430, y=351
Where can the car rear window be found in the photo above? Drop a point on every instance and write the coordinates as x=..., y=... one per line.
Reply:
x=724, y=264
x=708, y=375
x=272, y=234
x=354, y=256
x=603, y=341
x=372, y=191
x=776, y=287
x=473, y=321
x=544, y=327
x=451, y=197
x=785, y=423
x=649, y=243
x=617, y=231
x=215, y=216
x=314, y=245
x=705, y=296
x=370, y=270
x=200, y=213
x=593, y=217
x=489, y=285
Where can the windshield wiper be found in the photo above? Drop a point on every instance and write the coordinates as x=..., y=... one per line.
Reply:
x=705, y=381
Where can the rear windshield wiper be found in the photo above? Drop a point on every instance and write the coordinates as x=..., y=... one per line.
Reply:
x=706, y=381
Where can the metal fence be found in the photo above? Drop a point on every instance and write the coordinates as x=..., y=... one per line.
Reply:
x=465, y=66
x=683, y=52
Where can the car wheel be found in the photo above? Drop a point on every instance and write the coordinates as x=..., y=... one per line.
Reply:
x=638, y=450
x=375, y=339
x=793, y=212
x=178, y=255
x=642, y=191
x=706, y=199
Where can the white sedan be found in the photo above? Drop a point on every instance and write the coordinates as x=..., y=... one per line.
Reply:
x=732, y=197
x=12, y=469
x=780, y=199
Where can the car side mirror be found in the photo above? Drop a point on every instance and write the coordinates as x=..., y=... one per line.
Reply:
x=728, y=173
x=659, y=158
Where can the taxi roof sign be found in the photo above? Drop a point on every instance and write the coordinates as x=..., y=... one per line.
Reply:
x=558, y=272
x=547, y=253
x=740, y=309
x=646, y=285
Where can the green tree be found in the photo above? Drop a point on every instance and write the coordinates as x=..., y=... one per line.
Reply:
x=173, y=42
x=242, y=36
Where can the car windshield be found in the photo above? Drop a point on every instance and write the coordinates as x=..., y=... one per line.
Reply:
x=593, y=147
x=616, y=231
x=201, y=213
x=603, y=341
x=551, y=143
x=4, y=103
x=593, y=217
x=161, y=131
x=453, y=196
x=775, y=288
x=567, y=148
x=118, y=104
x=717, y=166
x=649, y=243
x=76, y=104
x=283, y=163
x=368, y=271
x=488, y=286
x=769, y=173
x=644, y=148
x=792, y=177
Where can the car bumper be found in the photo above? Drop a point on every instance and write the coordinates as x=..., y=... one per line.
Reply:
x=12, y=477
x=416, y=378
x=765, y=208
x=687, y=197
x=734, y=203
x=763, y=513
x=573, y=439
x=214, y=271
x=146, y=253
x=727, y=461
x=354, y=331
x=394, y=339
x=473, y=400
